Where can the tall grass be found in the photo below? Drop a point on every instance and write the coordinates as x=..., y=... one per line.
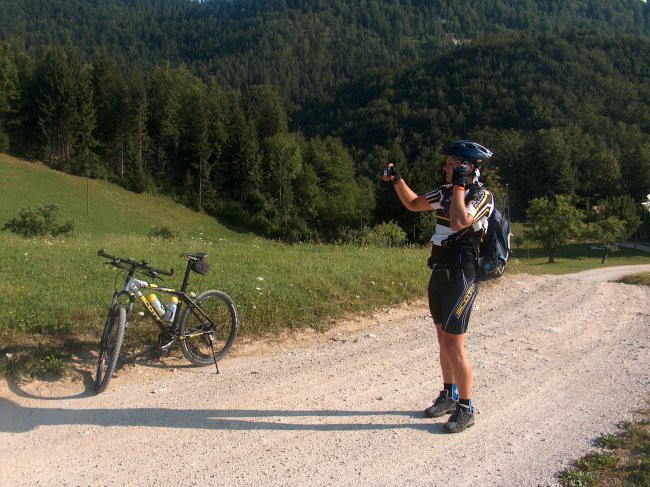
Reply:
x=62, y=287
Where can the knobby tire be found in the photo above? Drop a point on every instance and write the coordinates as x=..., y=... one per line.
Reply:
x=109, y=347
x=225, y=325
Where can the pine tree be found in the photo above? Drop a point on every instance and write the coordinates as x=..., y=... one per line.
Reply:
x=138, y=139
x=87, y=161
x=163, y=97
x=112, y=102
x=56, y=103
x=194, y=145
x=248, y=162
x=263, y=105
x=9, y=93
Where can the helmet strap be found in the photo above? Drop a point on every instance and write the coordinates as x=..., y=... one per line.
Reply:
x=477, y=174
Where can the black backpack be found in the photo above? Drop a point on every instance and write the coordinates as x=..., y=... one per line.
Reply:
x=494, y=249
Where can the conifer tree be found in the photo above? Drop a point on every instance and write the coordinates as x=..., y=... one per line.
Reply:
x=263, y=105
x=9, y=93
x=194, y=145
x=56, y=103
x=112, y=102
x=138, y=139
x=163, y=96
x=87, y=162
x=244, y=172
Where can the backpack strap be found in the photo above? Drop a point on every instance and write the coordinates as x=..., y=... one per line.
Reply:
x=474, y=187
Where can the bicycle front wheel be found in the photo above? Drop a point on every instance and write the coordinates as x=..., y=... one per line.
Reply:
x=215, y=328
x=109, y=347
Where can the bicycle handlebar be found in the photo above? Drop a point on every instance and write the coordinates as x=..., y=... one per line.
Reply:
x=119, y=262
x=102, y=253
x=164, y=273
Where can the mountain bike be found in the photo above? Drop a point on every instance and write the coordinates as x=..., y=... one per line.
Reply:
x=205, y=326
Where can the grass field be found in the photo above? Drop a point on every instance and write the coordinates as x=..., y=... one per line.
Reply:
x=54, y=293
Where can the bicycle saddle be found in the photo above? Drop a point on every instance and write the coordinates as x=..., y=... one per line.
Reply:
x=195, y=255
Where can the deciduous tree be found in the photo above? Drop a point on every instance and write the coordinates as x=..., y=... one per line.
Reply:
x=553, y=222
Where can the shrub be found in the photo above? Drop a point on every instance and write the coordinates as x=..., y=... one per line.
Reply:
x=163, y=232
x=39, y=222
x=386, y=235
x=383, y=235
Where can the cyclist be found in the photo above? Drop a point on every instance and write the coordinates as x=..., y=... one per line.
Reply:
x=462, y=207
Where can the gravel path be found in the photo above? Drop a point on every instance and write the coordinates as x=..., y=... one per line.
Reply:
x=558, y=361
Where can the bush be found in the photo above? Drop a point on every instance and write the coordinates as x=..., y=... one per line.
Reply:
x=39, y=222
x=387, y=235
x=232, y=213
x=163, y=232
x=383, y=235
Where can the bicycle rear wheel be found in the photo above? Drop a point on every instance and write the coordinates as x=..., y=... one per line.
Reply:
x=219, y=325
x=109, y=347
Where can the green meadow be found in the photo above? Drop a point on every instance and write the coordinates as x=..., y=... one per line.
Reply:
x=54, y=293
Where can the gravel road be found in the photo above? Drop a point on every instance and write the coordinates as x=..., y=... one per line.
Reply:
x=557, y=361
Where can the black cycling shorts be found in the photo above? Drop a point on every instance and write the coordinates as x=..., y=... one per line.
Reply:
x=452, y=290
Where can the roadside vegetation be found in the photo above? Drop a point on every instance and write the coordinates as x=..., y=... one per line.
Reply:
x=642, y=279
x=623, y=458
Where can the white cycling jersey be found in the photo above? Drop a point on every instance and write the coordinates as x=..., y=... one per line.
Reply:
x=480, y=204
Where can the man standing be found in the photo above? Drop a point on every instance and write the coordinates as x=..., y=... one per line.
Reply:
x=462, y=208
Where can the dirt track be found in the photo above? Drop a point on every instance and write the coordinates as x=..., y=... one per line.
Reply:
x=557, y=362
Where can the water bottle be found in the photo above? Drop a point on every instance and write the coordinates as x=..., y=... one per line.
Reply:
x=171, y=310
x=157, y=305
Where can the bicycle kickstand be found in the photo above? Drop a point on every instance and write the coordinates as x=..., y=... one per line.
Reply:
x=214, y=356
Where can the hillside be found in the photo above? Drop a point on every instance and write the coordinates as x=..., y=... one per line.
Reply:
x=520, y=81
x=575, y=97
x=99, y=208
x=303, y=47
x=289, y=135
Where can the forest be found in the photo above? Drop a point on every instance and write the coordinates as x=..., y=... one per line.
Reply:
x=279, y=116
x=303, y=47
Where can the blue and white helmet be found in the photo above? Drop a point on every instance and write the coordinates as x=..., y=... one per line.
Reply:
x=468, y=151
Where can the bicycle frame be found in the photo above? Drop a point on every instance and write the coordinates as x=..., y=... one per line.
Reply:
x=132, y=290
